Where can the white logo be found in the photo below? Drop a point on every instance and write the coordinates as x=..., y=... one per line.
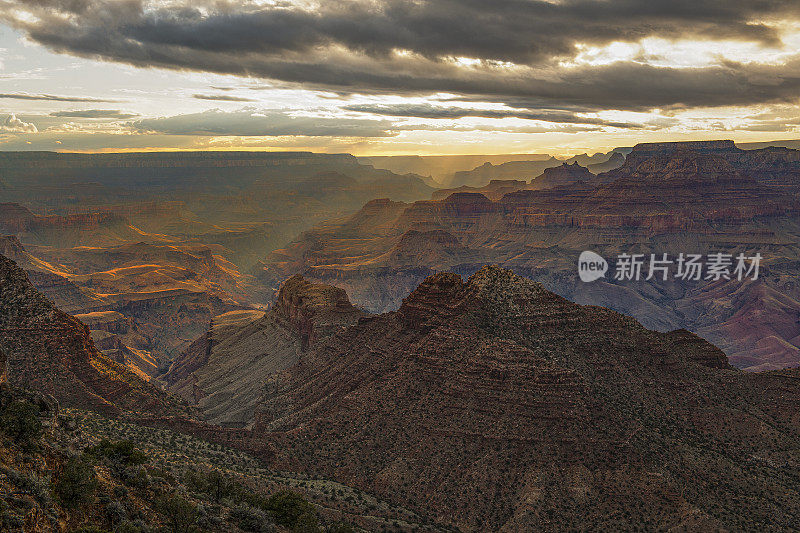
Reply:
x=591, y=266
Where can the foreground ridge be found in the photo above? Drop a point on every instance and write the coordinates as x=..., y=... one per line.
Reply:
x=494, y=404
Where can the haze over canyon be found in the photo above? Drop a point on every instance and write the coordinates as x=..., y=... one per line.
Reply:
x=399, y=266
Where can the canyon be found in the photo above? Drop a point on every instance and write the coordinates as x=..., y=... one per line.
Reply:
x=484, y=405
x=223, y=373
x=166, y=240
x=51, y=352
x=704, y=198
x=492, y=404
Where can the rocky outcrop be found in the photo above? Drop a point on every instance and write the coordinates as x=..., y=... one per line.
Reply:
x=563, y=175
x=470, y=206
x=52, y=352
x=154, y=298
x=615, y=160
x=51, y=279
x=777, y=167
x=682, y=191
x=518, y=170
x=14, y=218
x=109, y=321
x=313, y=310
x=494, y=190
x=223, y=372
x=65, y=230
x=11, y=247
x=494, y=404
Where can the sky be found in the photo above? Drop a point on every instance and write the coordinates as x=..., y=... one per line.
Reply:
x=395, y=77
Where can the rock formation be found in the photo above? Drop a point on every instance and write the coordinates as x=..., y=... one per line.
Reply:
x=778, y=167
x=493, y=404
x=494, y=190
x=563, y=175
x=223, y=373
x=518, y=170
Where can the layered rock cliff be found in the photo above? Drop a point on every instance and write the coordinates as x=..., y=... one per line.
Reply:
x=561, y=176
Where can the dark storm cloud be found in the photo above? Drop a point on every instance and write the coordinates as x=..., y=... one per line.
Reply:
x=222, y=98
x=94, y=113
x=434, y=112
x=351, y=45
x=51, y=98
x=261, y=123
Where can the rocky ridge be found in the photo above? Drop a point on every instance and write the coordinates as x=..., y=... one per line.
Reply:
x=493, y=404
x=50, y=351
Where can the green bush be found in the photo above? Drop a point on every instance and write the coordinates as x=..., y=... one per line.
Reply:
x=216, y=485
x=77, y=483
x=180, y=515
x=20, y=421
x=287, y=507
x=122, y=453
x=135, y=477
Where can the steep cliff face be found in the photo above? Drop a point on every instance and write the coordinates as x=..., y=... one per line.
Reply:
x=14, y=217
x=494, y=405
x=163, y=296
x=52, y=352
x=675, y=192
x=223, y=373
x=468, y=206
x=313, y=310
x=51, y=279
x=83, y=229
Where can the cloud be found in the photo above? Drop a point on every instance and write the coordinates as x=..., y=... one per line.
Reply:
x=568, y=128
x=502, y=50
x=14, y=125
x=222, y=98
x=249, y=122
x=50, y=97
x=438, y=112
x=94, y=113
